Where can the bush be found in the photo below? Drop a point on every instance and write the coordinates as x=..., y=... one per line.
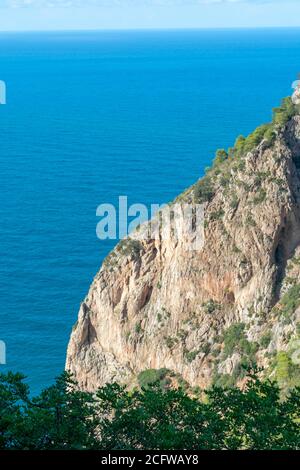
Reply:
x=285, y=112
x=235, y=341
x=239, y=145
x=170, y=341
x=290, y=301
x=265, y=340
x=211, y=306
x=191, y=355
x=283, y=366
x=150, y=377
x=129, y=246
x=221, y=156
x=224, y=380
x=138, y=328
x=232, y=337
x=254, y=139
x=203, y=190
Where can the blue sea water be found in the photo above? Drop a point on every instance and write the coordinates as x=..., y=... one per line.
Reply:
x=94, y=115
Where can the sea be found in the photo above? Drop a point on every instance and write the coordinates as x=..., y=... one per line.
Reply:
x=92, y=116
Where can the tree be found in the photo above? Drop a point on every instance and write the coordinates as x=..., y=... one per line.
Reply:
x=256, y=418
x=63, y=417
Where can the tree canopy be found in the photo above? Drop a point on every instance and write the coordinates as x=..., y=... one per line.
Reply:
x=114, y=418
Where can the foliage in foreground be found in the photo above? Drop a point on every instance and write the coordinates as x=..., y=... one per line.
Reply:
x=62, y=417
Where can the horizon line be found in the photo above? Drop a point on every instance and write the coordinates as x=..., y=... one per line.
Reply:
x=200, y=28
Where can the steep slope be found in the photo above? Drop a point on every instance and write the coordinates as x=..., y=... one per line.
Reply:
x=204, y=313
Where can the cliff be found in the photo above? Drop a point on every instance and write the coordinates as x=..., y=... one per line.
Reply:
x=205, y=313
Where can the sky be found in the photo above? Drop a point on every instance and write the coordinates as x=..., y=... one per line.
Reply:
x=20, y=15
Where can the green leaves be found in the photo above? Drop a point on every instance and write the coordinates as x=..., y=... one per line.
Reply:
x=285, y=112
x=63, y=417
x=203, y=190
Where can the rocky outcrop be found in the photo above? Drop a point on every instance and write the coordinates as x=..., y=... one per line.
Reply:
x=157, y=303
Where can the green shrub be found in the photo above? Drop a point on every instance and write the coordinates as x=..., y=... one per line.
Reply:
x=232, y=159
x=190, y=356
x=269, y=135
x=232, y=337
x=239, y=145
x=283, y=367
x=265, y=340
x=225, y=179
x=129, y=246
x=211, y=306
x=284, y=113
x=221, y=156
x=203, y=190
x=254, y=139
x=235, y=340
x=170, y=341
x=290, y=301
x=138, y=328
x=223, y=380
x=286, y=372
x=205, y=349
x=150, y=377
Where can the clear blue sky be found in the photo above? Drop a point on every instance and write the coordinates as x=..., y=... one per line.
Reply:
x=107, y=14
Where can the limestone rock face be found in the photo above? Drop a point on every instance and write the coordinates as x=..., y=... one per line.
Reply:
x=160, y=304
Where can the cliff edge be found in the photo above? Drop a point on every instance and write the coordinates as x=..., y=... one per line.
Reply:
x=206, y=313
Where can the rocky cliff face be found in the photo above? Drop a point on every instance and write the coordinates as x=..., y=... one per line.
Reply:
x=204, y=313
